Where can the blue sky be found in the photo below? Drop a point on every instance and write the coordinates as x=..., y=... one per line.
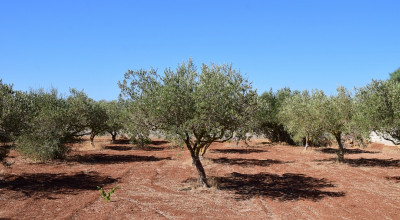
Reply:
x=301, y=44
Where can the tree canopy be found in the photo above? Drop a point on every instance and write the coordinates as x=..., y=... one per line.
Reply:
x=395, y=76
x=266, y=119
x=301, y=116
x=378, y=109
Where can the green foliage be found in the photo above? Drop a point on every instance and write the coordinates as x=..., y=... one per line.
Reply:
x=337, y=111
x=300, y=113
x=395, y=76
x=77, y=112
x=337, y=115
x=137, y=126
x=312, y=116
x=117, y=116
x=45, y=133
x=86, y=114
x=194, y=107
x=378, y=109
x=96, y=119
x=13, y=112
x=104, y=195
x=54, y=121
x=266, y=120
x=186, y=104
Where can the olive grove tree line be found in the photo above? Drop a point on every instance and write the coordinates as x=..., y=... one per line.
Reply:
x=40, y=124
x=197, y=106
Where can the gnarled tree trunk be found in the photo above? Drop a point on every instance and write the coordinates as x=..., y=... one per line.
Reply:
x=196, y=162
x=113, y=137
x=340, y=151
x=200, y=170
x=92, y=135
x=306, y=145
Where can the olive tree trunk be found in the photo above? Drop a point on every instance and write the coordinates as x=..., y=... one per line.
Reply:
x=113, y=137
x=340, y=151
x=199, y=166
x=92, y=135
x=306, y=145
x=200, y=171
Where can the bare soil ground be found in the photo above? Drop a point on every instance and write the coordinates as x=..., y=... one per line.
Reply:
x=260, y=181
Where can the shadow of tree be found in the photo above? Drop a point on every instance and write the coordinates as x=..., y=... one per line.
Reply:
x=112, y=159
x=127, y=148
x=347, y=151
x=45, y=184
x=238, y=151
x=363, y=162
x=246, y=162
x=122, y=141
x=149, y=148
x=394, y=178
x=287, y=187
x=118, y=147
x=373, y=162
x=159, y=142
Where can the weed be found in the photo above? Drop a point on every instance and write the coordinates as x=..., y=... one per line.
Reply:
x=104, y=195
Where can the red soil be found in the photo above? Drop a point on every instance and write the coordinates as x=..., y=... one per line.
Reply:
x=158, y=182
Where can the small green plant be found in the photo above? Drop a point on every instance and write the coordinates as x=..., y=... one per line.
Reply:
x=104, y=195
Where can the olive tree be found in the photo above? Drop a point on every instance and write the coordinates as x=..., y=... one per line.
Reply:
x=395, y=76
x=13, y=115
x=14, y=106
x=137, y=125
x=194, y=107
x=97, y=118
x=46, y=132
x=53, y=121
x=87, y=115
x=300, y=113
x=378, y=109
x=116, y=117
x=336, y=112
x=266, y=120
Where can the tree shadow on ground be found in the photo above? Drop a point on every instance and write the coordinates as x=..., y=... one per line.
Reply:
x=113, y=159
x=238, y=151
x=127, y=148
x=118, y=147
x=246, y=162
x=364, y=162
x=394, y=178
x=122, y=141
x=149, y=148
x=43, y=185
x=287, y=187
x=346, y=151
x=159, y=142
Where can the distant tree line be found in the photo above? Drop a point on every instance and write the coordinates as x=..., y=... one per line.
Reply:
x=197, y=107
x=40, y=124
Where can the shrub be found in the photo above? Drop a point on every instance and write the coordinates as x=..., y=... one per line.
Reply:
x=47, y=131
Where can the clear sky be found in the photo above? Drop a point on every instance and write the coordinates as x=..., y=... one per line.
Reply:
x=301, y=44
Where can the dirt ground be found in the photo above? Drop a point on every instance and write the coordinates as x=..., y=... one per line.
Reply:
x=260, y=181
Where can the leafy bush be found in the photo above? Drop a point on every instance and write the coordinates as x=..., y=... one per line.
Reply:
x=117, y=117
x=13, y=112
x=45, y=147
x=378, y=109
x=45, y=135
x=300, y=113
x=266, y=120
